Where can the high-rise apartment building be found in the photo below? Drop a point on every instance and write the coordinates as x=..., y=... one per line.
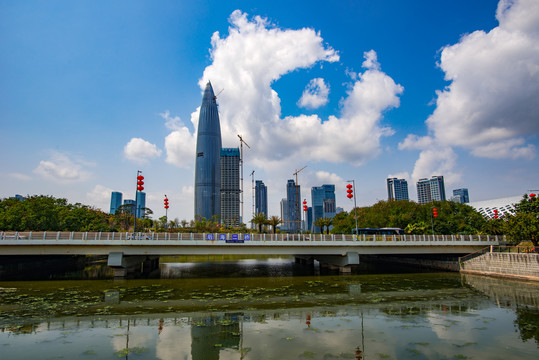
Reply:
x=397, y=189
x=230, y=186
x=115, y=201
x=261, y=198
x=323, y=203
x=208, y=163
x=462, y=195
x=293, y=197
x=432, y=189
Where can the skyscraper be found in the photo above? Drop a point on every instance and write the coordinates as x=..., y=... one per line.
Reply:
x=462, y=195
x=323, y=202
x=432, y=189
x=208, y=163
x=261, y=198
x=397, y=189
x=285, y=215
x=141, y=204
x=131, y=205
x=230, y=186
x=115, y=201
x=293, y=197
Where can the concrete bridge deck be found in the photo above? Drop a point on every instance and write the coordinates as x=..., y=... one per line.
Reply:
x=163, y=244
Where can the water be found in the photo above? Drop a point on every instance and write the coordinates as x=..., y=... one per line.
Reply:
x=270, y=309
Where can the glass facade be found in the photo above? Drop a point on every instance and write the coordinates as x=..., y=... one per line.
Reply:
x=115, y=201
x=432, y=189
x=293, y=197
x=397, y=189
x=323, y=203
x=261, y=198
x=207, y=162
x=462, y=194
x=230, y=186
x=141, y=204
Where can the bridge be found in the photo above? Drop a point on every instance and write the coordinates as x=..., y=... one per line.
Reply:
x=124, y=250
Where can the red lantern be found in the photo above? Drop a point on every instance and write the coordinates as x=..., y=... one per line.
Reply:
x=140, y=188
x=435, y=212
x=140, y=183
x=495, y=213
x=349, y=196
x=140, y=177
x=166, y=203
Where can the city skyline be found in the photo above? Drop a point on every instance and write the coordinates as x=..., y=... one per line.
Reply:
x=93, y=97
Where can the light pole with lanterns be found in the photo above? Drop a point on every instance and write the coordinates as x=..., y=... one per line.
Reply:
x=166, y=212
x=140, y=188
x=351, y=190
x=305, y=214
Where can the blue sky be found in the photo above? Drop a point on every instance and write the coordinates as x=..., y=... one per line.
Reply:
x=92, y=91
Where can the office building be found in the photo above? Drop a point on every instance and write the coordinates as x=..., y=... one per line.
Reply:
x=141, y=204
x=230, y=186
x=323, y=203
x=432, y=189
x=461, y=195
x=207, y=162
x=397, y=189
x=261, y=198
x=115, y=201
x=285, y=219
x=293, y=197
x=130, y=205
x=309, y=219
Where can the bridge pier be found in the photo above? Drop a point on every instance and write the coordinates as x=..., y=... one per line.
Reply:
x=343, y=263
x=123, y=265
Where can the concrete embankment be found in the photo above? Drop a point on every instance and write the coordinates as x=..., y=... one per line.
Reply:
x=508, y=265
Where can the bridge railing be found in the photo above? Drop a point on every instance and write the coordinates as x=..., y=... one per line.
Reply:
x=248, y=237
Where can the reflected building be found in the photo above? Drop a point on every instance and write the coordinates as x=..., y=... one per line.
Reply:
x=208, y=162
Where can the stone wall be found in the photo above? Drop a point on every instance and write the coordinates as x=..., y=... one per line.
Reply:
x=512, y=265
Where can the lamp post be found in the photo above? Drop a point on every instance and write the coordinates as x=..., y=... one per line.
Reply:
x=140, y=182
x=166, y=212
x=352, y=194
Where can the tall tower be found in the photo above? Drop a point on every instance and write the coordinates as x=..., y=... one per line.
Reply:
x=208, y=160
x=230, y=186
x=397, y=189
x=261, y=198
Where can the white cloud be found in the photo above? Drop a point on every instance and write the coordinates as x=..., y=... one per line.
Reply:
x=315, y=94
x=490, y=107
x=180, y=144
x=252, y=57
x=139, y=150
x=100, y=197
x=402, y=175
x=438, y=161
x=324, y=177
x=492, y=99
x=414, y=142
x=20, y=176
x=60, y=168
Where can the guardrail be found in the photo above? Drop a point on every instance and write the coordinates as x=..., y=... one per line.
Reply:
x=228, y=237
x=499, y=249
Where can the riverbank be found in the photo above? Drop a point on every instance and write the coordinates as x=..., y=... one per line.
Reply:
x=505, y=265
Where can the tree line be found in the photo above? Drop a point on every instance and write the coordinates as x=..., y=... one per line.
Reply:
x=46, y=213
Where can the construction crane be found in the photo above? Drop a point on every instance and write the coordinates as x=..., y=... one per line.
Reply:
x=241, y=174
x=219, y=93
x=297, y=196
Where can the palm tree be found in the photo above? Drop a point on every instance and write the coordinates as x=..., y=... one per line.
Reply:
x=327, y=223
x=320, y=223
x=260, y=219
x=274, y=221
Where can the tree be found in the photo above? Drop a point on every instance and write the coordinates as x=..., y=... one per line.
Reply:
x=274, y=221
x=323, y=222
x=327, y=223
x=260, y=220
x=524, y=225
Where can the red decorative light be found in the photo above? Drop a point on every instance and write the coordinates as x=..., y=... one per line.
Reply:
x=435, y=212
x=166, y=206
x=349, y=196
x=495, y=213
x=140, y=188
x=349, y=186
x=140, y=177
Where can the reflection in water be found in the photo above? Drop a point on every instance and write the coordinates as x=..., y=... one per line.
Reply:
x=394, y=316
